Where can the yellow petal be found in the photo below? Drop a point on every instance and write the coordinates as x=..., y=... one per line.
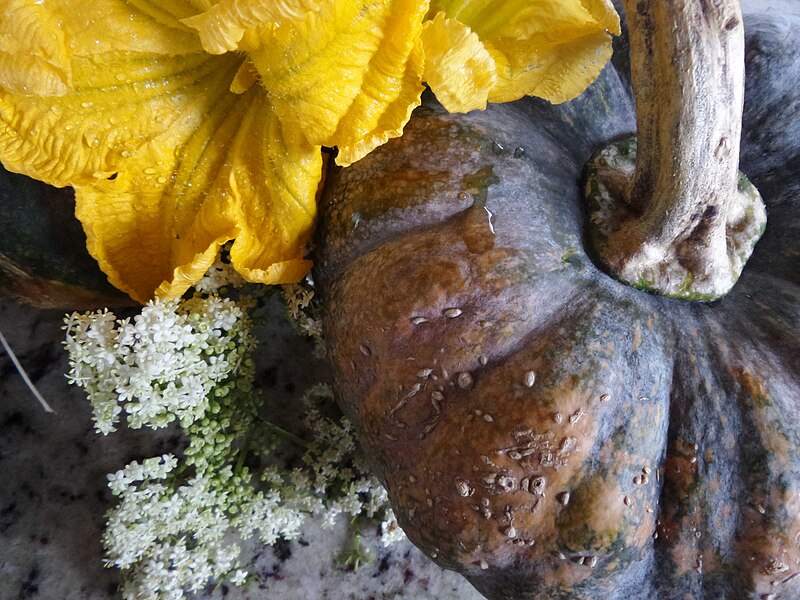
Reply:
x=93, y=27
x=33, y=53
x=393, y=116
x=344, y=75
x=275, y=174
x=458, y=68
x=548, y=48
x=125, y=75
x=562, y=71
x=604, y=13
x=222, y=27
x=157, y=227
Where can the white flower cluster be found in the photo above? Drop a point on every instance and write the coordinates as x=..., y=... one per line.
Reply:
x=219, y=276
x=160, y=366
x=331, y=463
x=172, y=538
x=178, y=523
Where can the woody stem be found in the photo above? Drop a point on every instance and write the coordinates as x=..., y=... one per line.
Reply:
x=683, y=221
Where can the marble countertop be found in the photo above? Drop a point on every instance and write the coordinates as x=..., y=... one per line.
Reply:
x=53, y=492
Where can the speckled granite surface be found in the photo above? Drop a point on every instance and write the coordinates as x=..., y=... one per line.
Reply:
x=53, y=488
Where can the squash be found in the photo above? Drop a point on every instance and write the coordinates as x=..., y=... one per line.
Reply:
x=543, y=427
x=43, y=256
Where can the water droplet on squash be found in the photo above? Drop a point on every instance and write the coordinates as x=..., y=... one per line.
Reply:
x=497, y=148
x=519, y=152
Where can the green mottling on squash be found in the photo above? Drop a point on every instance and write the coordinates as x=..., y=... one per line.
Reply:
x=572, y=258
x=416, y=180
x=646, y=285
x=692, y=296
x=477, y=184
x=593, y=521
x=686, y=285
x=413, y=188
x=685, y=291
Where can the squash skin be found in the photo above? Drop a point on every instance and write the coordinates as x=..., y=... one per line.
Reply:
x=43, y=256
x=683, y=474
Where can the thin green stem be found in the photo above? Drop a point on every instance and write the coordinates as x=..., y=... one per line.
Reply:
x=237, y=470
x=286, y=435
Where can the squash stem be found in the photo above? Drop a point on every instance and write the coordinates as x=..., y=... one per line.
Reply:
x=671, y=213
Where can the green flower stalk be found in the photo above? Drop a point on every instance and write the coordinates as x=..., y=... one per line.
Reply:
x=179, y=522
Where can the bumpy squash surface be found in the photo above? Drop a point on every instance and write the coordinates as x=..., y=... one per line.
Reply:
x=542, y=428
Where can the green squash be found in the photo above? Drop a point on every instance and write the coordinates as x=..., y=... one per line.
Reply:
x=43, y=256
x=542, y=428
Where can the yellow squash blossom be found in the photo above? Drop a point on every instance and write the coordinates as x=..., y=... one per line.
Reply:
x=479, y=51
x=185, y=124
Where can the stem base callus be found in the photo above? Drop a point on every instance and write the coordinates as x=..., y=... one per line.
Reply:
x=702, y=263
